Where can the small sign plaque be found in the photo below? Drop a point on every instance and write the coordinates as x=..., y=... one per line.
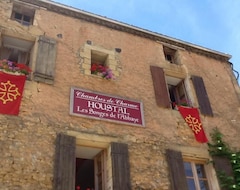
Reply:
x=100, y=106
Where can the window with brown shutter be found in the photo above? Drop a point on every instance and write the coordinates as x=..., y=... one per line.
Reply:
x=160, y=87
x=88, y=170
x=176, y=170
x=202, y=96
x=190, y=172
x=169, y=90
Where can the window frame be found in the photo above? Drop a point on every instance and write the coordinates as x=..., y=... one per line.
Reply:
x=17, y=49
x=176, y=155
x=24, y=11
x=100, y=173
x=21, y=20
x=162, y=95
x=193, y=162
x=111, y=57
x=178, y=94
x=170, y=55
x=99, y=59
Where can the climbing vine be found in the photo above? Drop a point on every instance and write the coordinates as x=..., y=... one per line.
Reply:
x=218, y=148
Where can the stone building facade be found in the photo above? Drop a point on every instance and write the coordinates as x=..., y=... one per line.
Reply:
x=78, y=129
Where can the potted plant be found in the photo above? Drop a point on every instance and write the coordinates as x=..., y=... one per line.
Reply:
x=14, y=68
x=101, y=70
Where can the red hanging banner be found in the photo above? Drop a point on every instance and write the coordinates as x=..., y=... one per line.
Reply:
x=192, y=118
x=11, y=89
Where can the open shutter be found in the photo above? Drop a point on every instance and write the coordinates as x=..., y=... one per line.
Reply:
x=222, y=164
x=65, y=163
x=46, y=57
x=203, y=100
x=160, y=87
x=176, y=170
x=120, y=166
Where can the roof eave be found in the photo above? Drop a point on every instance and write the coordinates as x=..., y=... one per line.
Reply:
x=90, y=17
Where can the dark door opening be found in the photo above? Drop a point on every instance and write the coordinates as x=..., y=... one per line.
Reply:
x=84, y=174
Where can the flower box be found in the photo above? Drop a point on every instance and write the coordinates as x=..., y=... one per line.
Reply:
x=13, y=68
x=101, y=70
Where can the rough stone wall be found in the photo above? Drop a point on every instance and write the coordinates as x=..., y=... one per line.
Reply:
x=27, y=141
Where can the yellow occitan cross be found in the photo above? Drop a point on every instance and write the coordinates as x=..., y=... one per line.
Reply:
x=193, y=123
x=8, y=92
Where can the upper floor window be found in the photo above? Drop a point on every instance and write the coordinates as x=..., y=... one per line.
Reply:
x=98, y=57
x=99, y=65
x=16, y=50
x=96, y=60
x=22, y=14
x=177, y=92
x=170, y=55
x=169, y=89
x=22, y=51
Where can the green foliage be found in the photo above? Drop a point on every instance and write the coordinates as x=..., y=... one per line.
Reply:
x=219, y=148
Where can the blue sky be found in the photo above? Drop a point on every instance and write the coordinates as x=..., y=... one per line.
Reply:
x=208, y=23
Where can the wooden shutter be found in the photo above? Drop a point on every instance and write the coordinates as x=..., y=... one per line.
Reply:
x=65, y=163
x=160, y=87
x=120, y=166
x=223, y=164
x=176, y=170
x=46, y=57
x=203, y=100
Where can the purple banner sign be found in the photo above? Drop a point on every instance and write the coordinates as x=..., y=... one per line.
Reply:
x=100, y=106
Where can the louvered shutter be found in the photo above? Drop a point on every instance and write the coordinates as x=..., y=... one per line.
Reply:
x=45, y=62
x=176, y=170
x=160, y=87
x=65, y=163
x=203, y=100
x=120, y=166
x=222, y=164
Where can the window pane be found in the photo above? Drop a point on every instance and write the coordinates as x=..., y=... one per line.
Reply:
x=200, y=171
x=203, y=185
x=191, y=185
x=26, y=18
x=188, y=169
x=18, y=16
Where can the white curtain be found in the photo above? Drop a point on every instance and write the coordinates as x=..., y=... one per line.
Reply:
x=22, y=57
